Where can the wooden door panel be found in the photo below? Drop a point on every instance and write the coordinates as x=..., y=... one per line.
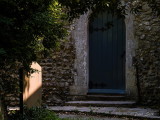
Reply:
x=106, y=53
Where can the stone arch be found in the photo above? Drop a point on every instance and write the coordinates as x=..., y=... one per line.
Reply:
x=81, y=75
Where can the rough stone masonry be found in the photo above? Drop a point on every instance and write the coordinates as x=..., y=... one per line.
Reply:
x=147, y=33
x=59, y=68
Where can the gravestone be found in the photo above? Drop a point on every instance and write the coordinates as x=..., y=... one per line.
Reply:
x=32, y=87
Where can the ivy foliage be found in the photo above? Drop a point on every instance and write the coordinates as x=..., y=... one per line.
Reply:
x=28, y=29
x=77, y=7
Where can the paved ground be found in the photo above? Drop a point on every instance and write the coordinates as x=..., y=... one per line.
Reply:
x=83, y=117
x=113, y=111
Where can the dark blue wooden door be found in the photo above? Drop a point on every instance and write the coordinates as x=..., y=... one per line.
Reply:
x=107, y=54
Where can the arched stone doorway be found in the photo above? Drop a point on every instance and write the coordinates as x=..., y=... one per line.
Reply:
x=80, y=34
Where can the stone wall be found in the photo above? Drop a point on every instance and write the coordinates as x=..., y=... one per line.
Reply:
x=77, y=64
x=65, y=72
x=58, y=73
x=147, y=32
x=9, y=84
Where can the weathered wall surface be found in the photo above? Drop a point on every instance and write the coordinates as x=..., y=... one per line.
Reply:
x=131, y=45
x=80, y=36
x=147, y=32
x=58, y=73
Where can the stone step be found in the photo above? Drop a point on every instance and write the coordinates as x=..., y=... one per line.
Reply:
x=108, y=94
x=106, y=97
x=99, y=97
x=139, y=113
x=101, y=103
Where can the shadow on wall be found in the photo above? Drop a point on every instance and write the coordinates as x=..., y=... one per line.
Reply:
x=32, y=87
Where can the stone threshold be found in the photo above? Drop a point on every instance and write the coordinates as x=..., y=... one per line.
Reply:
x=98, y=97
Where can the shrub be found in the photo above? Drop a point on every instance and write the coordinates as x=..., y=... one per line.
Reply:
x=35, y=113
